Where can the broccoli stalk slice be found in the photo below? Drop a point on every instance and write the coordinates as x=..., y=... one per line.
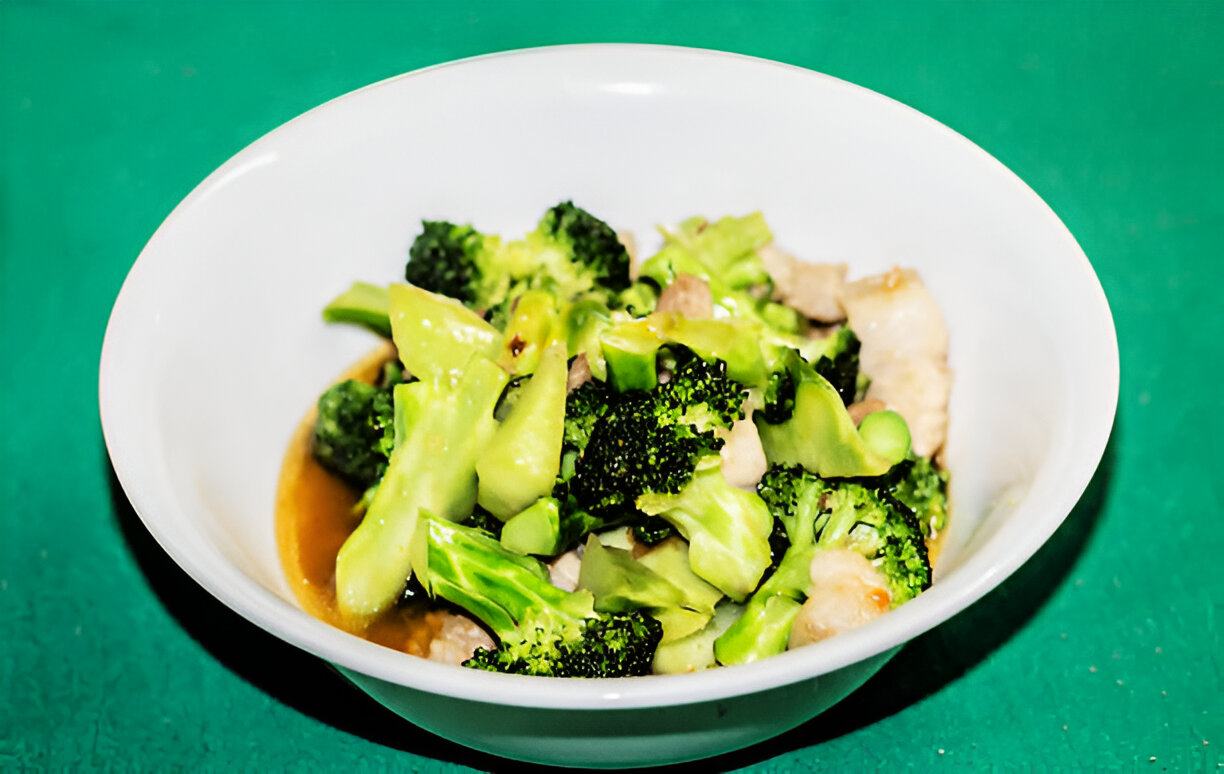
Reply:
x=534, y=530
x=362, y=304
x=522, y=460
x=531, y=328
x=620, y=583
x=795, y=500
x=432, y=467
x=582, y=323
x=541, y=629
x=727, y=529
x=437, y=336
x=820, y=435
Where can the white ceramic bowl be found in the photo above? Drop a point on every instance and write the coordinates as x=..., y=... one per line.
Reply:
x=215, y=347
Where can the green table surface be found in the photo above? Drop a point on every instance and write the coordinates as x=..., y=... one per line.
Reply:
x=1104, y=652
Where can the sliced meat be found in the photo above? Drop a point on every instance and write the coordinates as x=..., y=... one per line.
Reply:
x=457, y=639
x=743, y=457
x=563, y=571
x=579, y=373
x=814, y=289
x=689, y=296
x=905, y=351
x=846, y=592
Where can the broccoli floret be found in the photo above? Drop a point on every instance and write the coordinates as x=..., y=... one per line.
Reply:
x=440, y=429
x=541, y=629
x=571, y=253
x=354, y=432
x=851, y=515
x=727, y=528
x=924, y=489
x=453, y=260
x=650, y=441
x=637, y=447
x=840, y=364
x=700, y=393
x=583, y=408
x=593, y=245
x=816, y=514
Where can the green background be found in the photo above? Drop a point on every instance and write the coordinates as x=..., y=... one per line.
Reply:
x=1102, y=653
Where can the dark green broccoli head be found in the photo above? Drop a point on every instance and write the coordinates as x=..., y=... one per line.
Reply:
x=445, y=259
x=884, y=531
x=593, y=244
x=650, y=441
x=840, y=364
x=354, y=432
x=701, y=393
x=860, y=515
x=637, y=447
x=779, y=396
x=611, y=645
x=924, y=489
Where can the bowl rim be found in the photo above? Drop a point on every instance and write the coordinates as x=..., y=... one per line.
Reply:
x=258, y=604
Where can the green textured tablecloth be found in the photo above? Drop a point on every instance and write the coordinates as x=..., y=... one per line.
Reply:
x=1103, y=653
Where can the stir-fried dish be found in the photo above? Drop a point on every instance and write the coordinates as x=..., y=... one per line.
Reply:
x=570, y=462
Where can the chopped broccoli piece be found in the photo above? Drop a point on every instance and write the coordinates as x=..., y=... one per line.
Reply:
x=435, y=335
x=571, y=253
x=593, y=245
x=541, y=629
x=724, y=254
x=456, y=261
x=816, y=514
x=819, y=434
x=650, y=441
x=440, y=429
x=727, y=529
x=840, y=364
x=354, y=432
x=362, y=304
x=635, y=448
x=924, y=489
x=521, y=461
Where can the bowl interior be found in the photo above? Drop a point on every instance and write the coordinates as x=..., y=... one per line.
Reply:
x=216, y=348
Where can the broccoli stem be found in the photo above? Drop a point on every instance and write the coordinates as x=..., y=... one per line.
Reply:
x=432, y=468
x=436, y=335
x=727, y=529
x=362, y=304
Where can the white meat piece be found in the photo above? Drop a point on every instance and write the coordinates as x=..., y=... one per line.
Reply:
x=743, y=457
x=687, y=295
x=579, y=373
x=563, y=571
x=457, y=639
x=905, y=351
x=846, y=592
x=814, y=289
x=780, y=265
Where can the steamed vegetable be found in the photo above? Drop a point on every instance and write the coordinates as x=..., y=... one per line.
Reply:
x=546, y=405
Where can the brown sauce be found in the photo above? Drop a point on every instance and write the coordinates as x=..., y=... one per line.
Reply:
x=313, y=519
